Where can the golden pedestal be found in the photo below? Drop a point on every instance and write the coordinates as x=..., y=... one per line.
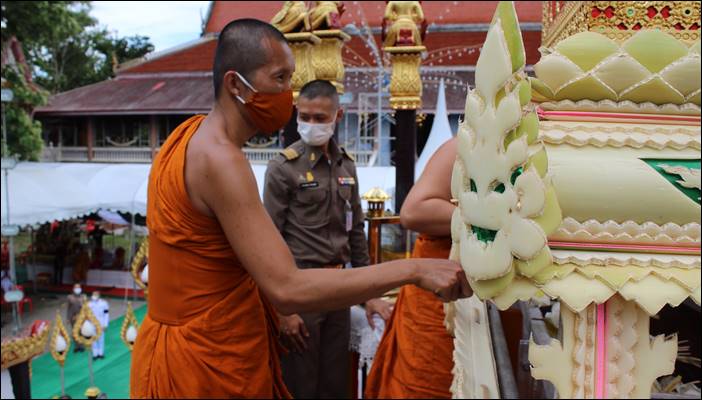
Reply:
x=405, y=83
x=302, y=44
x=326, y=57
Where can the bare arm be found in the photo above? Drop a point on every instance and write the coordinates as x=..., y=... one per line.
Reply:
x=232, y=196
x=427, y=208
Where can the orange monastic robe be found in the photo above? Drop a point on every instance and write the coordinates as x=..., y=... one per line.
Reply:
x=415, y=356
x=209, y=331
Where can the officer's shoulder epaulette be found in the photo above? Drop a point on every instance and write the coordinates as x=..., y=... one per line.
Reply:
x=290, y=153
x=347, y=154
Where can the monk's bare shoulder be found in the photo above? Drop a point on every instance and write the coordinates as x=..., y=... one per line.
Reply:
x=213, y=166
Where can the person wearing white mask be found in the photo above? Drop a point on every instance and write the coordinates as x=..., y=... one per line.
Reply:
x=311, y=194
x=101, y=310
x=75, y=302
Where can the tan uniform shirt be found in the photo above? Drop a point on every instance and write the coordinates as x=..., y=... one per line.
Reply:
x=315, y=204
x=75, y=302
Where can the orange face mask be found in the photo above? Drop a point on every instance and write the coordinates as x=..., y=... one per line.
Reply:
x=268, y=111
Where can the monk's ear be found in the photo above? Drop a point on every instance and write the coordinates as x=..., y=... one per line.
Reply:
x=232, y=84
x=339, y=114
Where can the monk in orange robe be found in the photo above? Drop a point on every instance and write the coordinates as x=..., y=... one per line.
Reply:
x=218, y=267
x=415, y=356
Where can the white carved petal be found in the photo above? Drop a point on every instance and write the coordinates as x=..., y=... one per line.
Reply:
x=531, y=193
x=456, y=224
x=516, y=154
x=489, y=212
x=457, y=179
x=526, y=238
x=494, y=66
x=508, y=113
x=474, y=107
x=483, y=260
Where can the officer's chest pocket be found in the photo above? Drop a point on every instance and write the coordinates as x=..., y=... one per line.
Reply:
x=311, y=206
x=345, y=192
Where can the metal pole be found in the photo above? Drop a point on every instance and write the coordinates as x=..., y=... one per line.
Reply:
x=90, y=366
x=131, y=252
x=63, y=391
x=4, y=135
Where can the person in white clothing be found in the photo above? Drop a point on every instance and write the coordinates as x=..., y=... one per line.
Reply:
x=101, y=309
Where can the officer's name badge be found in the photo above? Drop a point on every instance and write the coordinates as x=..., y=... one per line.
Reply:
x=347, y=181
x=307, y=185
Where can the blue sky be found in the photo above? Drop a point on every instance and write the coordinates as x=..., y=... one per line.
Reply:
x=166, y=23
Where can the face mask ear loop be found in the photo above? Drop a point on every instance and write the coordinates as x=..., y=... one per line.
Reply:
x=248, y=85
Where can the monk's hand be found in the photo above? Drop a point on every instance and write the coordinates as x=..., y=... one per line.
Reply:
x=293, y=327
x=445, y=278
x=380, y=307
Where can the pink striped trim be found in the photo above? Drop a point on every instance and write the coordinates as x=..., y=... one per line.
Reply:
x=626, y=247
x=575, y=115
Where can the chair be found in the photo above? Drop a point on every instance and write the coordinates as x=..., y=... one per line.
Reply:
x=25, y=300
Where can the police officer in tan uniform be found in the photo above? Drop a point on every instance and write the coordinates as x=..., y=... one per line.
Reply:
x=311, y=193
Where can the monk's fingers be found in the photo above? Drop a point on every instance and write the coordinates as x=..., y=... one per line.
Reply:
x=303, y=330
x=369, y=317
x=300, y=342
x=466, y=290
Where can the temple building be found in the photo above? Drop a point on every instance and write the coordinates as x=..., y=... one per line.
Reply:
x=127, y=118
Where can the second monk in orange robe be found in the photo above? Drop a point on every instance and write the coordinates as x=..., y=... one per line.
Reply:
x=415, y=356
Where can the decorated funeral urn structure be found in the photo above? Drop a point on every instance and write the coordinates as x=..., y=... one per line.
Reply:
x=582, y=184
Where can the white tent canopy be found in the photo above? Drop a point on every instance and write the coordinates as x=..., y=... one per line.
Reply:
x=440, y=132
x=44, y=192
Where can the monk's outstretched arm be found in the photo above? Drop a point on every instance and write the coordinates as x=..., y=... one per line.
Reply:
x=427, y=208
x=232, y=195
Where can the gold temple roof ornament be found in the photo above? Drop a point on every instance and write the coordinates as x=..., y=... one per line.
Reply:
x=619, y=20
x=376, y=194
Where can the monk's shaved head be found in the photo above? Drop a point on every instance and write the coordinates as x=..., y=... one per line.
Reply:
x=240, y=48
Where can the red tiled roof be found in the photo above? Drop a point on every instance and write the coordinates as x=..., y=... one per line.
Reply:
x=198, y=57
x=136, y=94
x=191, y=93
x=439, y=12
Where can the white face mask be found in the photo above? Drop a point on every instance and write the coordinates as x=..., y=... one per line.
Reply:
x=315, y=134
x=77, y=290
x=95, y=298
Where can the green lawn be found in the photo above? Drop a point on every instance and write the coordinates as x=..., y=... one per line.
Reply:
x=111, y=373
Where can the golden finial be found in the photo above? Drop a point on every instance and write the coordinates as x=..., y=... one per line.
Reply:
x=139, y=263
x=82, y=332
x=130, y=327
x=60, y=341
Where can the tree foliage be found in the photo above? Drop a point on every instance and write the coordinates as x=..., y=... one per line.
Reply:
x=66, y=48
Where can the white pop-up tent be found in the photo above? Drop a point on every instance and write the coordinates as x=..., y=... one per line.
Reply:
x=440, y=132
x=44, y=192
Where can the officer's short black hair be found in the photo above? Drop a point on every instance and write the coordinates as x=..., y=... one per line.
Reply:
x=239, y=49
x=319, y=88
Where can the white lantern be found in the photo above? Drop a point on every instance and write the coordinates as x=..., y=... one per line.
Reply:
x=145, y=274
x=60, y=344
x=131, y=334
x=88, y=329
